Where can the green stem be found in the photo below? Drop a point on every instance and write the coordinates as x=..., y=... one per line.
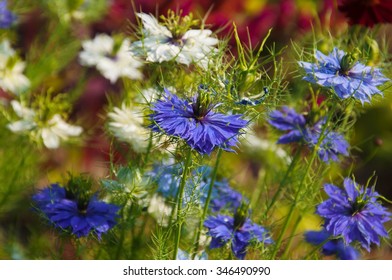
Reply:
x=286, y=250
x=9, y=189
x=258, y=192
x=122, y=234
x=148, y=150
x=298, y=192
x=179, y=202
x=207, y=203
x=283, y=181
x=293, y=206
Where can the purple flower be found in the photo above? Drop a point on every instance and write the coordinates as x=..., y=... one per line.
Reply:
x=331, y=246
x=354, y=213
x=66, y=212
x=224, y=229
x=6, y=17
x=225, y=197
x=332, y=144
x=346, y=76
x=196, y=122
x=288, y=120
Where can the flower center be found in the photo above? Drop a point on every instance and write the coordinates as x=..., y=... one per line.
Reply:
x=79, y=189
x=241, y=215
x=202, y=105
x=357, y=207
x=347, y=62
x=177, y=41
x=111, y=57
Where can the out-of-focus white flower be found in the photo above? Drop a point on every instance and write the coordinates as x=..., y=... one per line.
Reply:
x=51, y=132
x=5, y=51
x=27, y=116
x=111, y=62
x=159, y=44
x=57, y=129
x=11, y=70
x=159, y=210
x=126, y=123
x=254, y=143
x=12, y=78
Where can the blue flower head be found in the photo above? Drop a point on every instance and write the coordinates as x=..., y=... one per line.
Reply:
x=332, y=246
x=298, y=130
x=345, y=75
x=167, y=177
x=239, y=231
x=196, y=122
x=225, y=197
x=332, y=144
x=290, y=121
x=78, y=212
x=7, y=18
x=354, y=213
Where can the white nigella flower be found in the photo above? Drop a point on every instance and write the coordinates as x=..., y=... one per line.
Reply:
x=159, y=44
x=51, y=132
x=126, y=124
x=57, y=129
x=112, y=62
x=11, y=70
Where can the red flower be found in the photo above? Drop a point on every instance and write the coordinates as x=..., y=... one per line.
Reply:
x=367, y=12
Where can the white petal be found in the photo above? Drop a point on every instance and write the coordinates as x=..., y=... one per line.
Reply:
x=151, y=25
x=63, y=129
x=20, y=126
x=51, y=140
x=22, y=111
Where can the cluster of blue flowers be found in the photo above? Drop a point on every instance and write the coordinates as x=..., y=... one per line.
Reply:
x=351, y=216
x=329, y=147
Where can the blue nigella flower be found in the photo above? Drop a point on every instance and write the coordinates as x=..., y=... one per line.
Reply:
x=332, y=246
x=354, y=213
x=225, y=229
x=345, y=75
x=196, y=122
x=7, y=18
x=81, y=217
x=332, y=143
x=288, y=120
x=225, y=197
